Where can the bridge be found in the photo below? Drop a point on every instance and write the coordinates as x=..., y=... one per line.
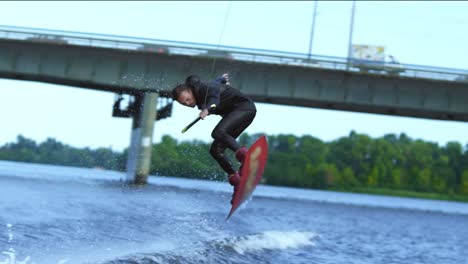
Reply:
x=147, y=69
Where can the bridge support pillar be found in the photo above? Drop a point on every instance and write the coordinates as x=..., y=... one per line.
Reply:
x=139, y=153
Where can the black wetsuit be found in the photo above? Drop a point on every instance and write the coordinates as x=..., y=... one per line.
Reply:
x=236, y=109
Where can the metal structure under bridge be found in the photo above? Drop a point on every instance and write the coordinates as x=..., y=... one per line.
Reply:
x=147, y=69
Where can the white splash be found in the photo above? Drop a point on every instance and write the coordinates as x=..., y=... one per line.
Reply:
x=274, y=240
x=10, y=254
x=11, y=258
x=10, y=233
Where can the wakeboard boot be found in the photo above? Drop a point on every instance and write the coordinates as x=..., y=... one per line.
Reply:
x=240, y=156
x=234, y=180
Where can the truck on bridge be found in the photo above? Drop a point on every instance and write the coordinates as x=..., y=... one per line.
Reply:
x=368, y=58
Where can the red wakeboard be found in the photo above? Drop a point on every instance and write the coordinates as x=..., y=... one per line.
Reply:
x=252, y=171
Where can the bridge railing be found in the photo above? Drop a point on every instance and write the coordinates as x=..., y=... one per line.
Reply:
x=230, y=52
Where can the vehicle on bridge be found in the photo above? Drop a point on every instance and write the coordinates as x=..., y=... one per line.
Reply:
x=369, y=58
x=392, y=67
x=154, y=48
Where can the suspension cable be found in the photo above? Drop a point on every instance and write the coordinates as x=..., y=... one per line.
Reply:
x=226, y=16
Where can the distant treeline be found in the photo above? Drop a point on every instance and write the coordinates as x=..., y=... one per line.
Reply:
x=356, y=161
x=53, y=152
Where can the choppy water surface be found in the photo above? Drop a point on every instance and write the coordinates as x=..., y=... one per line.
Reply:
x=53, y=214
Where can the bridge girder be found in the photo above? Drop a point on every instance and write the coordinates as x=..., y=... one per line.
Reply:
x=134, y=72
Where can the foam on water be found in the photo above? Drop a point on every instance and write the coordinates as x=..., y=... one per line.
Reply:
x=273, y=240
x=9, y=256
x=241, y=249
x=10, y=233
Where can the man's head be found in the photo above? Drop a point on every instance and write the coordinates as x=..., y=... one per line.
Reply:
x=183, y=94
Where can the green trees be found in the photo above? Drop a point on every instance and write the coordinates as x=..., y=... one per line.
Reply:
x=355, y=161
x=54, y=152
x=358, y=161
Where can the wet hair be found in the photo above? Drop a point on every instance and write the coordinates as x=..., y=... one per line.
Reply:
x=178, y=90
x=192, y=80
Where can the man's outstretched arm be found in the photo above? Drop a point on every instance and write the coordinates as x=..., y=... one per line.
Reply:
x=223, y=79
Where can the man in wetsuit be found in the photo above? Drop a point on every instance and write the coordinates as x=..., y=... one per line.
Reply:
x=237, y=112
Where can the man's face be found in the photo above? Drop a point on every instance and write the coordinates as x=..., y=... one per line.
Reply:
x=186, y=98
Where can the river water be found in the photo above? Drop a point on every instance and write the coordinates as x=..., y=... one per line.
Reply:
x=56, y=214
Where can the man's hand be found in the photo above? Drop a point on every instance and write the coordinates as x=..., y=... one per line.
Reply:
x=226, y=77
x=204, y=113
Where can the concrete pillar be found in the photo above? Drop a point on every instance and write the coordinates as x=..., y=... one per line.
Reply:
x=139, y=154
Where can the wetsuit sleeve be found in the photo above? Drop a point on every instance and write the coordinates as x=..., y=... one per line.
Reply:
x=213, y=96
x=219, y=80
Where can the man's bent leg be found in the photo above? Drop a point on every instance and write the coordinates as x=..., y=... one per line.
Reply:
x=231, y=126
x=217, y=152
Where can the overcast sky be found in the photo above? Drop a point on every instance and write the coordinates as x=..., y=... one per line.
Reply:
x=426, y=33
